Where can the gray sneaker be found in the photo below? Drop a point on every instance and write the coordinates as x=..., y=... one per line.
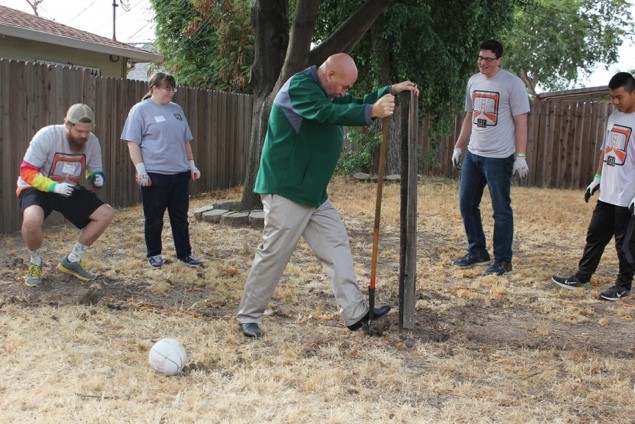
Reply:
x=155, y=261
x=76, y=269
x=33, y=277
x=191, y=261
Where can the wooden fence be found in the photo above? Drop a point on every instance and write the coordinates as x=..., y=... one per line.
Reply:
x=564, y=140
x=34, y=95
x=563, y=147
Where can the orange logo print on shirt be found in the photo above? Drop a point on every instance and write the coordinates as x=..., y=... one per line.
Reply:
x=485, y=112
x=616, y=145
x=68, y=167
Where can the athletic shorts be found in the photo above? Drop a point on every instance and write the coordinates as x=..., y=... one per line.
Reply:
x=77, y=208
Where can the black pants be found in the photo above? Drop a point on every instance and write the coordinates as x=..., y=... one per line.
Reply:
x=607, y=221
x=167, y=192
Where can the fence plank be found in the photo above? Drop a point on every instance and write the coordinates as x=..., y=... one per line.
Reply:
x=563, y=141
x=33, y=96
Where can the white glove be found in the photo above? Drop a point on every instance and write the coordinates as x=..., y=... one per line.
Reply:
x=95, y=182
x=143, y=179
x=593, y=187
x=456, y=158
x=196, y=174
x=65, y=189
x=520, y=166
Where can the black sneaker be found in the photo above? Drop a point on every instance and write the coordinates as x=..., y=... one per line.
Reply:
x=615, y=293
x=469, y=260
x=499, y=268
x=191, y=261
x=570, y=283
x=379, y=312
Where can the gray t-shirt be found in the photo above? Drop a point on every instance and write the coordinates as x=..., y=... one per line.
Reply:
x=161, y=131
x=617, y=185
x=50, y=152
x=493, y=103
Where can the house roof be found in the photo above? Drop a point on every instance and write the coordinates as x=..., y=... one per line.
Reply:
x=23, y=25
x=589, y=94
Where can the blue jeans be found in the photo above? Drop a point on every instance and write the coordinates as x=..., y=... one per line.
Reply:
x=495, y=173
x=167, y=192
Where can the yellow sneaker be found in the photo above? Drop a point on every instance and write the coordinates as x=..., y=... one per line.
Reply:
x=33, y=277
x=76, y=269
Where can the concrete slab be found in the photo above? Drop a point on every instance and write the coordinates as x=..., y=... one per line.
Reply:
x=214, y=216
x=235, y=219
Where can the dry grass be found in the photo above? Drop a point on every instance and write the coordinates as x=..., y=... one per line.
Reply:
x=513, y=349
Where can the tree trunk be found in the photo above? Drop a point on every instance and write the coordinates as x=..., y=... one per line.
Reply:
x=271, y=68
x=393, y=150
x=392, y=164
x=270, y=21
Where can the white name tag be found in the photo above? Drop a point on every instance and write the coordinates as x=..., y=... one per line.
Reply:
x=159, y=118
x=69, y=168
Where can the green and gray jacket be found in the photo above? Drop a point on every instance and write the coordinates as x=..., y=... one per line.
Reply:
x=304, y=138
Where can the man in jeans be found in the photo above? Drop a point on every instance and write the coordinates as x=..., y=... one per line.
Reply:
x=495, y=125
x=613, y=214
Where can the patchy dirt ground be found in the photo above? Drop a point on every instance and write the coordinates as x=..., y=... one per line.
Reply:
x=481, y=321
x=520, y=323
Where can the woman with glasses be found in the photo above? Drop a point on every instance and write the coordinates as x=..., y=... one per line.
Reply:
x=158, y=138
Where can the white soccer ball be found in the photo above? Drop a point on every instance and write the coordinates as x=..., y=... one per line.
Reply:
x=167, y=356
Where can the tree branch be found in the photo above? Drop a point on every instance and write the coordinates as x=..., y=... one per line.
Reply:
x=297, y=57
x=348, y=34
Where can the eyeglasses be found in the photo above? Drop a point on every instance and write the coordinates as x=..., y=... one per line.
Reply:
x=486, y=59
x=172, y=89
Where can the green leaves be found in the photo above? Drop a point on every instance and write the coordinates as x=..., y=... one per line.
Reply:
x=554, y=42
x=207, y=43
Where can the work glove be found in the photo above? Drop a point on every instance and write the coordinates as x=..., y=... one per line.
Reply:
x=456, y=158
x=592, y=188
x=65, y=189
x=631, y=207
x=143, y=179
x=196, y=174
x=95, y=182
x=520, y=166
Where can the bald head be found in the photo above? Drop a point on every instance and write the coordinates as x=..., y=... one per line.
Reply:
x=337, y=74
x=341, y=63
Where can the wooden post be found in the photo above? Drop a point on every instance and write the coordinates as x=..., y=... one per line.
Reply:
x=408, y=222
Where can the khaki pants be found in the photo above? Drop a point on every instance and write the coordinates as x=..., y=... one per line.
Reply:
x=323, y=230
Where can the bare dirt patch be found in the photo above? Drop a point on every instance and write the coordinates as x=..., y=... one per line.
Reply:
x=485, y=349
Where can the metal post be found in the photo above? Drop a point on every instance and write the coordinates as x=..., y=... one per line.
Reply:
x=114, y=15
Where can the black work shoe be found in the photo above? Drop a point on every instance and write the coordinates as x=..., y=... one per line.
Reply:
x=251, y=330
x=191, y=260
x=499, y=268
x=615, y=293
x=469, y=260
x=570, y=283
x=379, y=312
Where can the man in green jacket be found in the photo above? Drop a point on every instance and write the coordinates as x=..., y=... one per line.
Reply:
x=301, y=149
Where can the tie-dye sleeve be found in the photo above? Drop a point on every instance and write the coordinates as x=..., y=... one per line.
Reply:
x=33, y=177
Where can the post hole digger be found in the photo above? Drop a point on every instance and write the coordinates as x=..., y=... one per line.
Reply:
x=380, y=184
